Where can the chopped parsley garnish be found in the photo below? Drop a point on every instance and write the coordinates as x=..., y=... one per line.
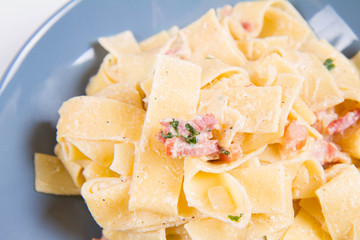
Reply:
x=329, y=63
x=175, y=125
x=168, y=135
x=209, y=58
x=224, y=151
x=235, y=218
x=191, y=139
x=191, y=129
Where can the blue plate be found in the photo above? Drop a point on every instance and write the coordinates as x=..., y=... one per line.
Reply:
x=55, y=65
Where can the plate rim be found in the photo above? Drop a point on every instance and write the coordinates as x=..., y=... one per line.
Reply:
x=17, y=60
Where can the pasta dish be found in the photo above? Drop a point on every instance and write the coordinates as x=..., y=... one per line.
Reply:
x=240, y=125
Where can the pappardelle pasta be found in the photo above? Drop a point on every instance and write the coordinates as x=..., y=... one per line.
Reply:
x=241, y=125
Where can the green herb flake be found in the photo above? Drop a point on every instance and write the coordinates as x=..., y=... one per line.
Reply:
x=190, y=129
x=175, y=125
x=224, y=151
x=168, y=135
x=329, y=63
x=209, y=58
x=235, y=218
x=265, y=237
x=191, y=139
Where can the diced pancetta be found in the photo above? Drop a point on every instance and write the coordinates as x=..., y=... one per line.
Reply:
x=189, y=138
x=295, y=136
x=249, y=27
x=233, y=154
x=323, y=119
x=327, y=152
x=342, y=123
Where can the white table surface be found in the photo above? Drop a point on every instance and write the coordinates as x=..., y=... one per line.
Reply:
x=19, y=20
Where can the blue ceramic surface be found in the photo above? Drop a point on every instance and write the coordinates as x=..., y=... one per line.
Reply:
x=56, y=65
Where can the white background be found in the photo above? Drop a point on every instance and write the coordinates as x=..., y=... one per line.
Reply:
x=19, y=20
